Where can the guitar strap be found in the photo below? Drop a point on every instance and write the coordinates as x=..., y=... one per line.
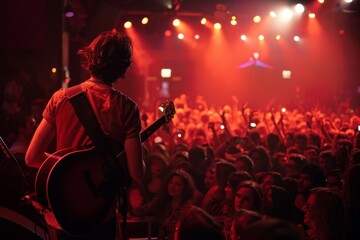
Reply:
x=86, y=116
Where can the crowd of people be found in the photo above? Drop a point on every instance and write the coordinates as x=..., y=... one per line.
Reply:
x=234, y=172
x=212, y=172
x=257, y=172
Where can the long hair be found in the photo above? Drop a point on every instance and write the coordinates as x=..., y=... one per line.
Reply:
x=189, y=188
x=328, y=214
x=196, y=224
x=282, y=206
x=256, y=192
x=108, y=56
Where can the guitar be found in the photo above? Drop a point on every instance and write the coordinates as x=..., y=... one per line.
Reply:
x=79, y=186
x=14, y=171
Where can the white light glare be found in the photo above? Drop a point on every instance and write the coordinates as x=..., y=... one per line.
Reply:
x=217, y=26
x=145, y=20
x=311, y=15
x=243, y=37
x=272, y=14
x=287, y=13
x=127, y=24
x=176, y=22
x=257, y=19
x=299, y=8
x=296, y=38
x=181, y=36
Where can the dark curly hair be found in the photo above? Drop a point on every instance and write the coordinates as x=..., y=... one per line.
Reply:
x=108, y=56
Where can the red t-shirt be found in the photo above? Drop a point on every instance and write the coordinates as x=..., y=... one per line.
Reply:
x=117, y=114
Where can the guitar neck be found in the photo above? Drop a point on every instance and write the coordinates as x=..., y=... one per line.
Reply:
x=6, y=151
x=8, y=155
x=146, y=133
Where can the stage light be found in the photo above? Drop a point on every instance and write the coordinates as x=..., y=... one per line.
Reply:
x=53, y=70
x=127, y=24
x=69, y=14
x=261, y=37
x=181, y=36
x=68, y=10
x=286, y=74
x=203, y=21
x=287, y=14
x=272, y=14
x=145, y=20
x=311, y=15
x=217, y=26
x=167, y=33
x=299, y=8
x=296, y=38
x=233, y=22
x=278, y=37
x=165, y=73
x=321, y=1
x=176, y=22
x=257, y=19
x=283, y=110
x=243, y=37
x=197, y=36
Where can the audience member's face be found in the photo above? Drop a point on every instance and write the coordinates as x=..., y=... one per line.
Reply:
x=325, y=164
x=228, y=192
x=312, y=156
x=157, y=167
x=333, y=183
x=309, y=209
x=244, y=199
x=266, y=184
x=292, y=168
x=210, y=178
x=304, y=183
x=282, y=161
x=176, y=187
x=240, y=165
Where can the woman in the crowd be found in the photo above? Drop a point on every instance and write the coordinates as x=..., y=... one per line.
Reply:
x=155, y=174
x=352, y=199
x=278, y=204
x=234, y=179
x=248, y=196
x=213, y=201
x=324, y=215
x=175, y=197
x=240, y=222
x=269, y=179
x=195, y=224
x=310, y=176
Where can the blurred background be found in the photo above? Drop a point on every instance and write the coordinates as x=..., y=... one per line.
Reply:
x=262, y=51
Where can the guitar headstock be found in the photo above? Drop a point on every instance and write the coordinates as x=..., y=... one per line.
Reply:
x=168, y=110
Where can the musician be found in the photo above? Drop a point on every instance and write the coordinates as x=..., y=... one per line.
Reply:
x=106, y=59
